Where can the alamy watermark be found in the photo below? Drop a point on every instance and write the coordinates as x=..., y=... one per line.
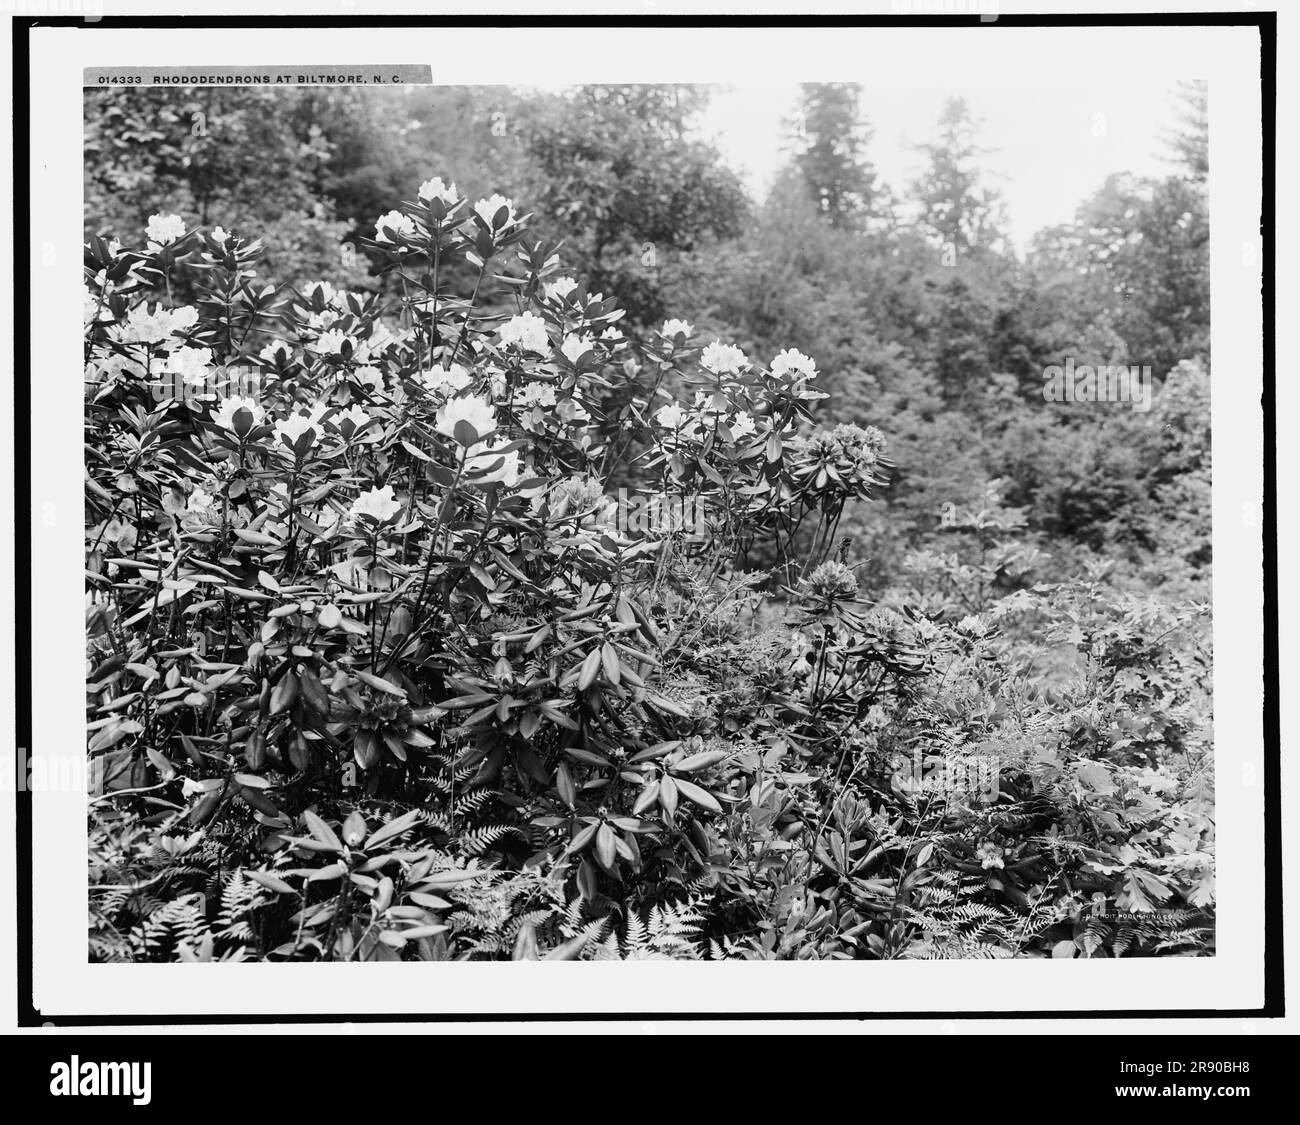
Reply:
x=78, y=1078
x=1086, y=383
x=958, y=777
x=92, y=11
x=211, y=384
x=56, y=773
x=650, y=515
x=987, y=10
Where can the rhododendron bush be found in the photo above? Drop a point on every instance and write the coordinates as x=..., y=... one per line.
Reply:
x=466, y=625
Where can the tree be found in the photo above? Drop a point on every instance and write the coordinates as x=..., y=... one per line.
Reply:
x=1135, y=261
x=1190, y=145
x=830, y=140
x=613, y=168
x=956, y=208
x=241, y=158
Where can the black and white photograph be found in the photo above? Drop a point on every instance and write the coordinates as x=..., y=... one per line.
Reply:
x=509, y=536
x=723, y=491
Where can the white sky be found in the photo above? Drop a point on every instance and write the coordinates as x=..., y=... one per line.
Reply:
x=1051, y=151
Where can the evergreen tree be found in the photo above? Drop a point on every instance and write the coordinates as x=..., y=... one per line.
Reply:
x=830, y=142
x=956, y=207
x=1190, y=145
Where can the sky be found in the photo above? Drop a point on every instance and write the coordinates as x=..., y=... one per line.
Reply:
x=1053, y=145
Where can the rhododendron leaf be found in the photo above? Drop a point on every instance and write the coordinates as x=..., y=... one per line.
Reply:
x=365, y=748
x=379, y=683
x=701, y=797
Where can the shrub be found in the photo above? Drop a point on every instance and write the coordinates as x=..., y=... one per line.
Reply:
x=381, y=667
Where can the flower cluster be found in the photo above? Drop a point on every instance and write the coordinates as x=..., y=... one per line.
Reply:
x=847, y=457
x=526, y=332
x=165, y=229
x=832, y=581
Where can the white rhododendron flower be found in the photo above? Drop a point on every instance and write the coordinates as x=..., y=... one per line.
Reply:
x=299, y=422
x=117, y=531
x=270, y=353
x=794, y=364
x=201, y=509
x=671, y=416
x=673, y=328
x=683, y=425
x=571, y=410
x=575, y=347
x=482, y=464
x=380, y=338
x=93, y=306
x=199, y=500
x=324, y=288
x=183, y=318
x=165, y=229
x=526, y=332
x=370, y=377
x=191, y=364
x=560, y=288
x=723, y=359
x=358, y=418
x=225, y=416
x=742, y=425
x=436, y=189
x=331, y=342
x=449, y=380
x=478, y=412
x=401, y=225
x=145, y=327
x=379, y=503
x=537, y=394
x=111, y=366
x=220, y=236
x=323, y=319
x=487, y=210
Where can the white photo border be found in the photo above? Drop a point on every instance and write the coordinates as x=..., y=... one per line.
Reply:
x=64, y=984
